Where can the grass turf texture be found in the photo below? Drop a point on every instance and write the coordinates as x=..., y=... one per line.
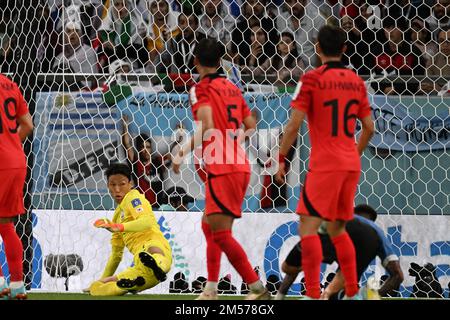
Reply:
x=83, y=296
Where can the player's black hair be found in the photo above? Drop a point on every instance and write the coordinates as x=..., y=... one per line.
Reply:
x=366, y=209
x=209, y=52
x=140, y=141
x=331, y=40
x=118, y=168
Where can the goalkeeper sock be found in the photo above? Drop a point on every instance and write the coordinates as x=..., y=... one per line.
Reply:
x=345, y=252
x=311, y=259
x=213, y=255
x=13, y=251
x=236, y=255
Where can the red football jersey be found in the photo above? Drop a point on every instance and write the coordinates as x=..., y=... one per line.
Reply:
x=12, y=106
x=221, y=151
x=332, y=97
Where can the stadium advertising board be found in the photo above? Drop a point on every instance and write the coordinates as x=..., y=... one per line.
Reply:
x=267, y=238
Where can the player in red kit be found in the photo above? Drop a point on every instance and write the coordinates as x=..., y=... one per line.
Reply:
x=15, y=125
x=220, y=110
x=333, y=98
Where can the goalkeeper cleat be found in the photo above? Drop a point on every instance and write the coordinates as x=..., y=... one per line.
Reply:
x=263, y=295
x=208, y=295
x=18, y=293
x=150, y=262
x=130, y=284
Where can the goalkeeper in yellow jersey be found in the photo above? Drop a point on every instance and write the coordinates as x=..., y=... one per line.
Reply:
x=133, y=226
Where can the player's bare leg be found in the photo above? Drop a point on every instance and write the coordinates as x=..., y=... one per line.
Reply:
x=221, y=225
x=345, y=252
x=213, y=257
x=14, y=256
x=311, y=254
x=291, y=274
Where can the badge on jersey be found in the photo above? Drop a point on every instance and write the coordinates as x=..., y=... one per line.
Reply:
x=136, y=202
x=137, y=205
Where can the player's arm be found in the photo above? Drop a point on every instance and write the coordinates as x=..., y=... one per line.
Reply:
x=206, y=122
x=141, y=219
x=23, y=116
x=368, y=130
x=249, y=126
x=287, y=282
x=289, y=136
x=336, y=285
x=394, y=280
x=25, y=126
x=249, y=122
x=126, y=140
x=291, y=273
x=117, y=246
x=364, y=115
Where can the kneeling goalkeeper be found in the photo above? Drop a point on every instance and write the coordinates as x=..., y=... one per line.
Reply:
x=133, y=226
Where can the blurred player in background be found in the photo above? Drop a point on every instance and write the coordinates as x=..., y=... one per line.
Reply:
x=220, y=109
x=148, y=169
x=332, y=97
x=16, y=125
x=369, y=241
x=133, y=226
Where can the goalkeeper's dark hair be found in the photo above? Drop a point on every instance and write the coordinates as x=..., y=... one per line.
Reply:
x=331, y=40
x=118, y=168
x=209, y=52
x=366, y=209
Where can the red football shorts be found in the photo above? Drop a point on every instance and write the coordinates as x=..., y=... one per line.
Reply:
x=11, y=192
x=329, y=195
x=225, y=193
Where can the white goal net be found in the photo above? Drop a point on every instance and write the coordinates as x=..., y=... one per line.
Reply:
x=106, y=81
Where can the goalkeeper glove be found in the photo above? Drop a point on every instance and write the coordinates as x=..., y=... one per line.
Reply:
x=108, y=225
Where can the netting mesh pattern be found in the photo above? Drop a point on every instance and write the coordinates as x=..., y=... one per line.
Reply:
x=107, y=81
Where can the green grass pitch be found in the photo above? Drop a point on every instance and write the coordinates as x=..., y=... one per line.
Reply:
x=84, y=296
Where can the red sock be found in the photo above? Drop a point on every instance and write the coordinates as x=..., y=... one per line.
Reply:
x=13, y=251
x=213, y=254
x=236, y=255
x=1, y=271
x=311, y=259
x=345, y=252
